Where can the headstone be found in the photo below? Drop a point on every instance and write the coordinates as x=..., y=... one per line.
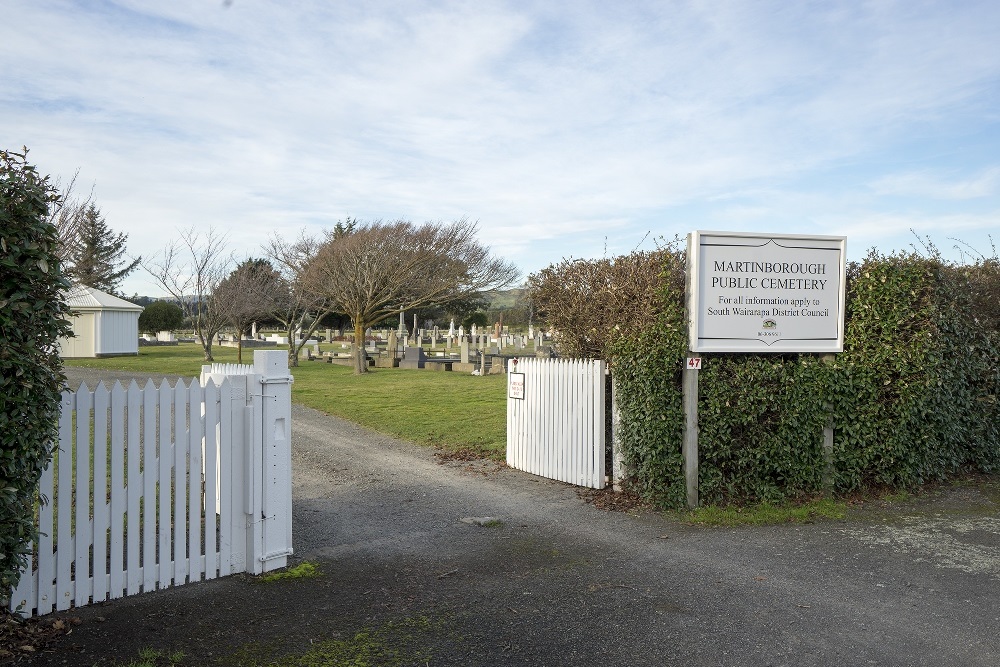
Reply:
x=461, y=331
x=518, y=343
x=531, y=331
x=401, y=331
x=447, y=341
x=392, y=350
x=451, y=328
x=464, y=347
x=473, y=329
x=329, y=335
x=413, y=357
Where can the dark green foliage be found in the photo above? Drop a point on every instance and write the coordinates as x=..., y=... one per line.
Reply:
x=915, y=393
x=96, y=255
x=161, y=316
x=477, y=318
x=646, y=365
x=912, y=398
x=32, y=314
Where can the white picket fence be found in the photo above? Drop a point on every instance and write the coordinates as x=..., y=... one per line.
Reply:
x=124, y=497
x=555, y=419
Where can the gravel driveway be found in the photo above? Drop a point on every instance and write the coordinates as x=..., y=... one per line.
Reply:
x=406, y=569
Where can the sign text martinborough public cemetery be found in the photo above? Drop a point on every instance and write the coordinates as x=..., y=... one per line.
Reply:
x=772, y=293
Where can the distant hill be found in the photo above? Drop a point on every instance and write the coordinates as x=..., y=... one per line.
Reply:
x=504, y=299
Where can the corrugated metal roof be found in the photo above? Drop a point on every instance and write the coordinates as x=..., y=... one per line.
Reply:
x=82, y=297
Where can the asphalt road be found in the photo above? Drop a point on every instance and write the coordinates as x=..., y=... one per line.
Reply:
x=405, y=568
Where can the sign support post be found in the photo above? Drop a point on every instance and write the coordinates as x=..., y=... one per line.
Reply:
x=690, y=387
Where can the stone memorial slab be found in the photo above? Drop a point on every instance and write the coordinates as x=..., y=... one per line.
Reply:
x=413, y=357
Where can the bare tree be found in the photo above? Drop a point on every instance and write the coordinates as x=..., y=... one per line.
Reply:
x=246, y=295
x=190, y=270
x=299, y=306
x=381, y=268
x=67, y=216
x=589, y=303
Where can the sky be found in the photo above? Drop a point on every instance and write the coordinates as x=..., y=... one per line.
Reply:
x=563, y=129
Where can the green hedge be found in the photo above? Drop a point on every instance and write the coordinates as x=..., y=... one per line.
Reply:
x=912, y=398
x=32, y=314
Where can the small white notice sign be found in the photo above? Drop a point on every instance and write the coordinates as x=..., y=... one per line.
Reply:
x=515, y=385
x=694, y=363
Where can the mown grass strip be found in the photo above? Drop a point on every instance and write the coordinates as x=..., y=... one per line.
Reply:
x=766, y=514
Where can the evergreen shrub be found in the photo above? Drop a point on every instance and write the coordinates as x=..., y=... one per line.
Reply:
x=912, y=398
x=32, y=319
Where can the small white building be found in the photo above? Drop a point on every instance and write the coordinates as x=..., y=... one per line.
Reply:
x=105, y=326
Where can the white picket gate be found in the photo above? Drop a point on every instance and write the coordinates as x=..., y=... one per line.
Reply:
x=127, y=487
x=555, y=419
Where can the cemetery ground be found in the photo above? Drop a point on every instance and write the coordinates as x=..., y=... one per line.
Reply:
x=407, y=558
x=457, y=412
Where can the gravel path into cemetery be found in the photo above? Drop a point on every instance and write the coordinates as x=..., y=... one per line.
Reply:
x=552, y=580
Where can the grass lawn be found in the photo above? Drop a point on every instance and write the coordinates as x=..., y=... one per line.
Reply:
x=454, y=411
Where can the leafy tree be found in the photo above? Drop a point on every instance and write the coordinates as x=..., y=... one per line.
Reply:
x=381, y=268
x=96, y=255
x=478, y=318
x=344, y=228
x=161, y=316
x=32, y=319
x=246, y=295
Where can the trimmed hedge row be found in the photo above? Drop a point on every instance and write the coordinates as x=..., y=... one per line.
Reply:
x=912, y=398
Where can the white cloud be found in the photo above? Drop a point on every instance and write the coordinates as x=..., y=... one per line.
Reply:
x=555, y=125
x=924, y=184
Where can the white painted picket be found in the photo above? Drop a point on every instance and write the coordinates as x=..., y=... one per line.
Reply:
x=225, y=370
x=555, y=420
x=148, y=458
x=141, y=527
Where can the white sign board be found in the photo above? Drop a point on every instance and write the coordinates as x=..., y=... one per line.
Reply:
x=763, y=293
x=515, y=386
